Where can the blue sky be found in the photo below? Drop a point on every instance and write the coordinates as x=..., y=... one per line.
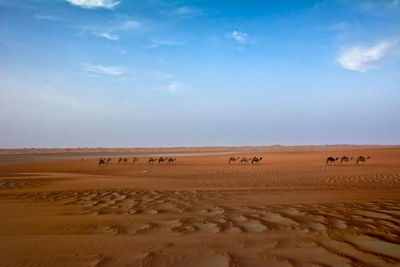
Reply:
x=88, y=73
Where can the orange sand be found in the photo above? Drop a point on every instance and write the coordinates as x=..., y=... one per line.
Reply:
x=289, y=210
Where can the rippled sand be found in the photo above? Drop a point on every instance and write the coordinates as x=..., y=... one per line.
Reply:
x=289, y=210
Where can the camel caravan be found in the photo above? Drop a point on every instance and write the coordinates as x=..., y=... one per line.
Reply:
x=161, y=160
x=104, y=161
x=360, y=159
x=244, y=160
x=126, y=161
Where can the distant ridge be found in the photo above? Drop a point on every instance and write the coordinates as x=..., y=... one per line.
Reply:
x=206, y=149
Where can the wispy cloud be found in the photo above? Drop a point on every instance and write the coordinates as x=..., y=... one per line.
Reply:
x=46, y=17
x=128, y=25
x=111, y=31
x=379, y=8
x=109, y=4
x=156, y=43
x=100, y=69
x=240, y=37
x=363, y=58
x=340, y=26
x=159, y=75
x=182, y=11
x=64, y=100
x=172, y=87
x=107, y=36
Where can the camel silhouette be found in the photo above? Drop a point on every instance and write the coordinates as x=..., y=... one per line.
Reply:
x=171, y=160
x=162, y=160
x=233, y=159
x=102, y=162
x=135, y=159
x=256, y=160
x=362, y=159
x=344, y=158
x=331, y=160
x=244, y=161
x=152, y=160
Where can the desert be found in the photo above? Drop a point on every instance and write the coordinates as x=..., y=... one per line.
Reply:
x=289, y=209
x=199, y=133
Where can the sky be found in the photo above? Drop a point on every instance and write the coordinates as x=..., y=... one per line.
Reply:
x=131, y=73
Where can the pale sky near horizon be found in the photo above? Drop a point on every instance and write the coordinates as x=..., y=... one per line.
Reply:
x=119, y=73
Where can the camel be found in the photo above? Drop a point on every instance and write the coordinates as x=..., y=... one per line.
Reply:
x=102, y=162
x=244, y=161
x=331, y=160
x=134, y=160
x=256, y=160
x=125, y=161
x=233, y=159
x=152, y=160
x=344, y=158
x=161, y=160
x=119, y=160
x=171, y=160
x=362, y=159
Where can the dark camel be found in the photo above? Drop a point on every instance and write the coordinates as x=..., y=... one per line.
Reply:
x=161, y=160
x=102, y=162
x=344, y=158
x=152, y=160
x=135, y=159
x=171, y=160
x=256, y=160
x=233, y=159
x=331, y=160
x=361, y=159
x=244, y=161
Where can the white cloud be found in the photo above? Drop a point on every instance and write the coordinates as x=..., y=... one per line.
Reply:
x=340, y=26
x=94, y=3
x=45, y=17
x=362, y=58
x=109, y=70
x=128, y=25
x=159, y=75
x=111, y=31
x=156, y=43
x=65, y=100
x=379, y=8
x=107, y=36
x=241, y=37
x=183, y=10
x=172, y=87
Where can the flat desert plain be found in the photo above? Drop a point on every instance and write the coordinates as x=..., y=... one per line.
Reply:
x=291, y=209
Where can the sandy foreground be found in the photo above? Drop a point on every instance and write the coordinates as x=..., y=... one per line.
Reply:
x=289, y=210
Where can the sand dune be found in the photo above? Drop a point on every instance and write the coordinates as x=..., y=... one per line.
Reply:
x=290, y=210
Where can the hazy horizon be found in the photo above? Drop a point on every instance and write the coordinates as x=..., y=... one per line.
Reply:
x=362, y=146
x=108, y=73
